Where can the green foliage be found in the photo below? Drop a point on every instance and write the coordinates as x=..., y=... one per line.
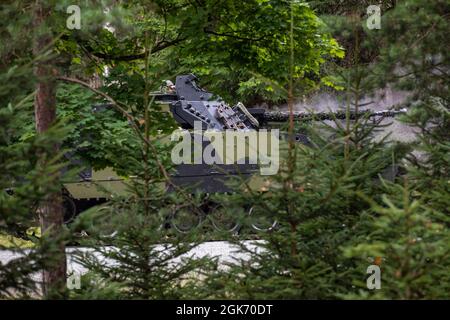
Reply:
x=225, y=43
x=328, y=236
x=101, y=136
x=317, y=209
x=244, y=39
x=412, y=240
x=145, y=259
x=99, y=132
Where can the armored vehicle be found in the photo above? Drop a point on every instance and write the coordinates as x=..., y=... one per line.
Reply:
x=197, y=110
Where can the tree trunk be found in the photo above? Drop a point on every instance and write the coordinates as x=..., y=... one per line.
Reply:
x=50, y=210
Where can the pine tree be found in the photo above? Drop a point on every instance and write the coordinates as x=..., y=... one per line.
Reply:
x=25, y=183
x=318, y=200
x=409, y=241
x=408, y=228
x=134, y=254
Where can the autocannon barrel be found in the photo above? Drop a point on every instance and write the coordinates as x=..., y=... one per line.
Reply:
x=283, y=116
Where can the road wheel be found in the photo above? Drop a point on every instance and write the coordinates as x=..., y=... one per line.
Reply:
x=69, y=209
x=224, y=219
x=185, y=219
x=104, y=222
x=260, y=221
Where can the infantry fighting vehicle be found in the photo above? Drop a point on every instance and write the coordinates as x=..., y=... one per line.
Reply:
x=192, y=108
x=189, y=105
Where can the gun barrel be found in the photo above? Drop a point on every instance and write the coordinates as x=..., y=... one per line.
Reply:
x=283, y=116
